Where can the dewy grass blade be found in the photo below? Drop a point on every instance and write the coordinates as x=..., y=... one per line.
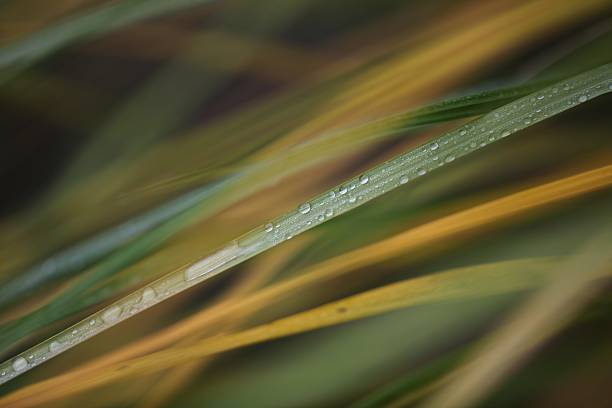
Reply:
x=492, y=127
x=74, y=259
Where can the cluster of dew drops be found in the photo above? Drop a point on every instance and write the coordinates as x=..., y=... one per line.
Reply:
x=501, y=123
x=85, y=329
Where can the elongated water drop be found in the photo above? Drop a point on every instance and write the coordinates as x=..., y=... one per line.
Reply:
x=421, y=172
x=329, y=212
x=148, y=294
x=434, y=146
x=582, y=98
x=54, y=346
x=364, y=179
x=304, y=208
x=213, y=261
x=403, y=179
x=111, y=314
x=449, y=158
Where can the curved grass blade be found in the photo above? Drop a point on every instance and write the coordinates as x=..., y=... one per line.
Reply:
x=410, y=241
x=460, y=283
x=543, y=316
x=23, y=53
x=76, y=258
x=494, y=126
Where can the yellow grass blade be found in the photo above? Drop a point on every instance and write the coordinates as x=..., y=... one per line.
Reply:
x=461, y=283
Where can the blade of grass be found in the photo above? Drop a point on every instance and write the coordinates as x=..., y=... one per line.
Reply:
x=494, y=126
x=25, y=52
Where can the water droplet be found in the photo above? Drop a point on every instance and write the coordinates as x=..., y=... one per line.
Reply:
x=364, y=179
x=421, y=172
x=505, y=133
x=435, y=158
x=92, y=322
x=111, y=314
x=463, y=132
x=54, y=346
x=206, y=265
x=304, y=208
x=269, y=227
x=352, y=199
x=19, y=364
x=329, y=212
x=352, y=186
x=610, y=86
x=321, y=218
x=148, y=294
x=566, y=87
x=343, y=190
x=74, y=332
x=540, y=97
x=582, y=98
x=473, y=145
x=449, y=158
x=403, y=179
x=434, y=146
x=332, y=194
x=492, y=138
x=527, y=121
x=288, y=237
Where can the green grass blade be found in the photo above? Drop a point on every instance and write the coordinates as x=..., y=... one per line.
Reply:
x=493, y=127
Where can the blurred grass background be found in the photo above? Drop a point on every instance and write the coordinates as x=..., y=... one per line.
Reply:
x=127, y=124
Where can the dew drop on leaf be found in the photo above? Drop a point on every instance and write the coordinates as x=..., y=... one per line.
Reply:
x=111, y=314
x=304, y=208
x=19, y=364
